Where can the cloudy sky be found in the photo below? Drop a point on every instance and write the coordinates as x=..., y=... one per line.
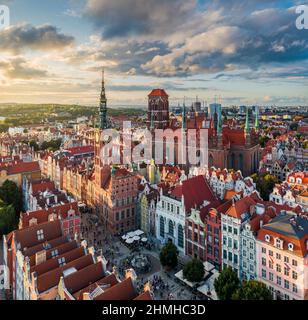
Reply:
x=243, y=52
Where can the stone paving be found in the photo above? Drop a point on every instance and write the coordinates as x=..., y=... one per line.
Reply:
x=164, y=284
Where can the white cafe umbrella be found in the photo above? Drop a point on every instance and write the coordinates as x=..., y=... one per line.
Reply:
x=138, y=232
x=136, y=238
x=129, y=240
x=124, y=237
x=130, y=234
x=144, y=239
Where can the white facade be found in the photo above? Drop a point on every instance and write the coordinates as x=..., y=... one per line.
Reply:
x=231, y=244
x=284, y=273
x=170, y=222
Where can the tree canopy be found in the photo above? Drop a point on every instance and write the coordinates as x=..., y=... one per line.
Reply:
x=226, y=284
x=194, y=270
x=265, y=184
x=253, y=290
x=169, y=255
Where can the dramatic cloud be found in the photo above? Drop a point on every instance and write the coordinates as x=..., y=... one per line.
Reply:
x=138, y=17
x=18, y=68
x=25, y=36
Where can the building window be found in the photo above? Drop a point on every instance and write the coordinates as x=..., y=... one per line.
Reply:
x=286, y=259
x=263, y=250
x=286, y=284
x=294, y=288
x=40, y=234
x=54, y=253
x=224, y=227
x=180, y=236
x=294, y=275
x=230, y=229
x=235, y=259
x=271, y=276
x=278, y=267
x=224, y=240
x=263, y=274
x=294, y=263
x=270, y=252
x=61, y=261
x=225, y=254
x=278, y=256
x=229, y=242
x=235, y=231
x=162, y=227
x=286, y=272
x=264, y=262
x=279, y=280
x=270, y=264
x=235, y=244
x=171, y=228
x=230, y=256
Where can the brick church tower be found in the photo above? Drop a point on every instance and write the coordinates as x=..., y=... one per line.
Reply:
x=158, y=109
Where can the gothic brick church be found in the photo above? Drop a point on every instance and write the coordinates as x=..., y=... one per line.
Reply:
x=230, y=146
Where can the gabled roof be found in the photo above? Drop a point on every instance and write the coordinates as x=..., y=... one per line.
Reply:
x=84, y=277
x=51, y=279
x=195, y=191
x=28, y=237
x=122, y=291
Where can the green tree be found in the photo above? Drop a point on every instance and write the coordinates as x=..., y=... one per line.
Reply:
x=169, y=255
x=194, y=270
x=8, y=219
x=294, y=126
x=10, y=193
x=265, y=184
x=253, y=290
x=226, y=284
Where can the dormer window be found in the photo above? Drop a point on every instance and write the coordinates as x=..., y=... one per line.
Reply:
x=61, y=261
x=278, y=243
x=290, y=246
x=54, y=253
x=267, y=238
x=40, y=234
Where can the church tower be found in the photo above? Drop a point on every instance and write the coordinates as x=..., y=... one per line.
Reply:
x=158, y=109
x=103, y=121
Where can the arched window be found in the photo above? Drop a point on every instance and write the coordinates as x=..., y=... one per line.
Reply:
x=180, y=236
x=211, y=161
x=162, y=227
x=171, y=228
x=241, y=163
x=232, y=161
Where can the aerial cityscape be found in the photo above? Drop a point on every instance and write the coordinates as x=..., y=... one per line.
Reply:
x=153, y=150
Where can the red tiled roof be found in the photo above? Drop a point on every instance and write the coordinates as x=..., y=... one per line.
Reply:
x=42, y=215
x=80, y=150
x=158, y=93
x=51, y=279
x=23, y=167
x=122, y=291
x=195, y=191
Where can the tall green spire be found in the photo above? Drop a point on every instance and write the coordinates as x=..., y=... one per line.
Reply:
x=103, y=121
x=247, y=127
x=219, y=121
x=257, y=124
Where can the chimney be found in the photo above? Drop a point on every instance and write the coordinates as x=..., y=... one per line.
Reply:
x=86, y=296
x=261, y=223
x=40, y=257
